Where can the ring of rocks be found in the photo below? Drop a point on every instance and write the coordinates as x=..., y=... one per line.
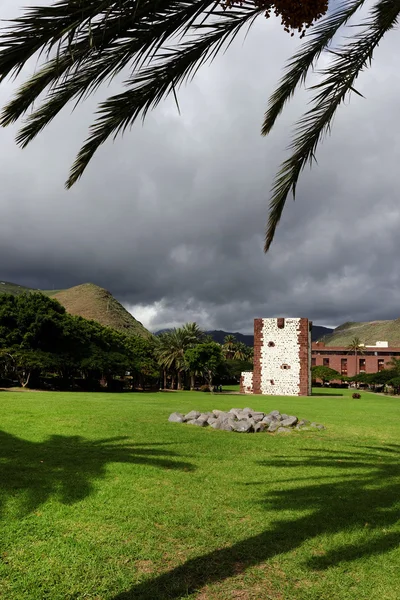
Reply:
x=245, y=420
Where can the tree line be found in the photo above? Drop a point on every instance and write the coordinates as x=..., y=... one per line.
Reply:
x=388, y=379
x=186, y=354
x=41, y=345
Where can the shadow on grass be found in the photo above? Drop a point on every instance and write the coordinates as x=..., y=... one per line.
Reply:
x=66, y=466
x=361, y=502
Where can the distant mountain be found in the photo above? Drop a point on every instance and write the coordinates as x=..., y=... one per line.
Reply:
x=319, y=332
x=218, y=335
x=369, y=333
x=90, y=302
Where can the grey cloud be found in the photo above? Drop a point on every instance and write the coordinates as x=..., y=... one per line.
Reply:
x=171, y=217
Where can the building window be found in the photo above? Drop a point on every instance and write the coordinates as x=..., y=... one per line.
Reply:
x=285, y=366
x=362, y=365
x=343, y=366
x=325, y=362
x=313, y=362
x=381, y=364
x=271, y=344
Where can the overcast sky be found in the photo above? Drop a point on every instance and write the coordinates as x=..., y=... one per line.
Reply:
x=170, y=218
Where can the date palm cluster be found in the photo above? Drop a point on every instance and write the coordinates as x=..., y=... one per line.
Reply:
x=295, y=14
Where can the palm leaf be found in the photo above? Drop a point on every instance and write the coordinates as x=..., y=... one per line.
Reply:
x=168, y=70
x=87, y=63
x=338, y=80
x=88, y=42
x=300, y=64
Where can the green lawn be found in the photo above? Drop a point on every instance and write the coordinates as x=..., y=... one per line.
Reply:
x=101, y=498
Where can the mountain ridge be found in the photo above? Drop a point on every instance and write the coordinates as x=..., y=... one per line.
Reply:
x=218, y=335
x=93, y=302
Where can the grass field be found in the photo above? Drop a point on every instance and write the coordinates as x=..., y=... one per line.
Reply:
x=102, y=498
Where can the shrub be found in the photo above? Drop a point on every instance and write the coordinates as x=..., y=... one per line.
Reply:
x=356, y=396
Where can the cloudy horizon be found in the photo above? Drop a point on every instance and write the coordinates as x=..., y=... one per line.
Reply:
x=170, y=218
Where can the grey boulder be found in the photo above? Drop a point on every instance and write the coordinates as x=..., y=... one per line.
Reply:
x=257, y=416
x=223, y=424
x=193, y=414
x=217, y=412
x=242, y=426
x=274, y=426
x=224, y=416
x=275, y=413
x=204, y=416
x=235, y=411
x=226, y=426
x=289, y=422
x=259, y=427
x=200, y=422
x=176, y=418
x=269, y=419
x=242, y=415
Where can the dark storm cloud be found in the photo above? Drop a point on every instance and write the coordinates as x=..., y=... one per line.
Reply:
x=171, y=217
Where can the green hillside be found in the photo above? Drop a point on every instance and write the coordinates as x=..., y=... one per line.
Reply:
x=369, y=333
x=91, y=302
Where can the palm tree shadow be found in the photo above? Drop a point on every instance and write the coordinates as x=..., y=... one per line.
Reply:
x=66, y=467
x=367, y=496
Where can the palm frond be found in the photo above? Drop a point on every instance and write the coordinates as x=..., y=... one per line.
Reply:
x=42, y=28
x=89, y=42
x=168, y=70
x=82, y=66
x=300, y=64
x=338, y=80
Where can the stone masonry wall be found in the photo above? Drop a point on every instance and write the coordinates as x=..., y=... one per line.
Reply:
x=246, y=382
x=282, y=357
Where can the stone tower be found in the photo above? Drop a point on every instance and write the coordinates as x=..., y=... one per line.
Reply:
x=282, y=358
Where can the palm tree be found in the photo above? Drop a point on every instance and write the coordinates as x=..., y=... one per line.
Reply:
x=86, y=43
x=194, y=335
x=162, y=355
x=170, y=354
x=250, y=354
x=171, y=350
x=229, y=346
x=240, y=351
x=356, y=348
